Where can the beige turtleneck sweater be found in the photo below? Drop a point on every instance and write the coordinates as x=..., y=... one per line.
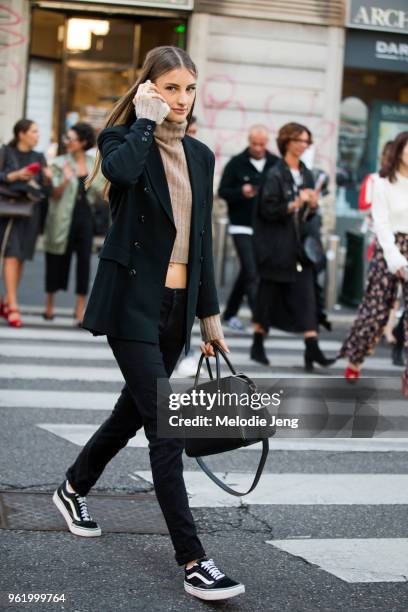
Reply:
x=168, y=136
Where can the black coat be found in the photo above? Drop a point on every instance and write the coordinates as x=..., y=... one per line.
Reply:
x=238, y=171
x=277, y=246
x=129, y=285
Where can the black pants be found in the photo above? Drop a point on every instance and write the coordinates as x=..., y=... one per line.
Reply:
x=247, y=279
x=142, y=363
x=80, y=242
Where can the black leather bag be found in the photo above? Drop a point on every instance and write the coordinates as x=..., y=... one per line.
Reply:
x=13, y=204
x=313, y=250
x=237, y=382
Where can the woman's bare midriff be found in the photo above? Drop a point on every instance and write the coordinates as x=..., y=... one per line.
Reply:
x=176, y=277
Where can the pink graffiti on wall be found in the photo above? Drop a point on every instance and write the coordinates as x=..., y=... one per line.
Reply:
x=10, y=27
x=215, y=106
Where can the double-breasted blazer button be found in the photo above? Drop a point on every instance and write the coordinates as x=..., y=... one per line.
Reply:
x=146, y=190
x=137, y=244
x=144, y=139
x=141, y=218
x=149, y=127
x=146, y=133
x=202, y=232
x=132, y=272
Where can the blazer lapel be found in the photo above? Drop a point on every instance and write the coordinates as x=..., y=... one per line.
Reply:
x=195, y=171
x=155, y=169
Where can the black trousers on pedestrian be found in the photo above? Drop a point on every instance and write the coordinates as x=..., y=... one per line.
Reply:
x=247, y=280
x=142, y=364
x=80, y=240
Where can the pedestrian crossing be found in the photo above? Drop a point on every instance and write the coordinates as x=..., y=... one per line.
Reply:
x=40, y=353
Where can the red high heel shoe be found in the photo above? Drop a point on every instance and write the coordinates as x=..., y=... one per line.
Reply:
x=4, y=310
x=404, y=384
x=16, y=322
x=351, y=375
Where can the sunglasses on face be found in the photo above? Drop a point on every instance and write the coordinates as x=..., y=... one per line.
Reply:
x=302, y=140
x=66, y=138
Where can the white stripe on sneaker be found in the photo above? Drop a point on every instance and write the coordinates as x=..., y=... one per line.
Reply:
x=77, y=518
x=197, y=575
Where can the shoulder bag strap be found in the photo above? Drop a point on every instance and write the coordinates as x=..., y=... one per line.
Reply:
x=220, y=483
x=3, y=155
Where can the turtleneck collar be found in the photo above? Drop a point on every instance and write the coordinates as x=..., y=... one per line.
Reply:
x=170, y=131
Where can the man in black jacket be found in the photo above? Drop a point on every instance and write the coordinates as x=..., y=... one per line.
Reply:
x=239, y=186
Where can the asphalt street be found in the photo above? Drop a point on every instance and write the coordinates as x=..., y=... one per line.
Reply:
x=325, y=529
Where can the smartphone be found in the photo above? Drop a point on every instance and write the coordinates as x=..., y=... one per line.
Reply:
x=34, y=168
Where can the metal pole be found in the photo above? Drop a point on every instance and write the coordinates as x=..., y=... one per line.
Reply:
x=332, y=255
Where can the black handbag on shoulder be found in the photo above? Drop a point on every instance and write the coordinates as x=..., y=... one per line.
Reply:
x=238, y=383
x=14, y=202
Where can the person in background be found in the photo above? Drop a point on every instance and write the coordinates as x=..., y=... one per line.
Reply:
x=364, y=204
x=25, y=171
x=239, y=187
x=389, y=264
x=321, y=180
x=69, y=222
x=286, y=296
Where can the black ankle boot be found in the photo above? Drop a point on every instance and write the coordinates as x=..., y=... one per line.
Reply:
x=257, y=349
x=397, y=355
x=313, y=353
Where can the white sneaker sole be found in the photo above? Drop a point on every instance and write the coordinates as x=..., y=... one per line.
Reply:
x=79, y=531
x=216, y=594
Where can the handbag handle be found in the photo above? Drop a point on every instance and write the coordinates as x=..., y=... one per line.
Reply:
x=217, y=349
x=261, y=465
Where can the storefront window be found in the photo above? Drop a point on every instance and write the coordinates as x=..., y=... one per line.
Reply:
x=88, y=62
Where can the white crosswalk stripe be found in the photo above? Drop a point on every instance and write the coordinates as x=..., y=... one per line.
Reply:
x=39, y=354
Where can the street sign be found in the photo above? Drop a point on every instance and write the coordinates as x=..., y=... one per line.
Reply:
x=384, y=15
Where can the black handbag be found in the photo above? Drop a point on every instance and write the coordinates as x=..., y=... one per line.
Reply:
x=313, y=250
x=310, y=247
x=237, y=382
x=14, y=204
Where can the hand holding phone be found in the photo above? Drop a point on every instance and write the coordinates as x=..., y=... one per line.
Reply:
x=33, y=168
x=149, y=104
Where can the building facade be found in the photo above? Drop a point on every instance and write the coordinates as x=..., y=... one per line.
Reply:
x=374, y=97
x=269, y=63
x=259, y=62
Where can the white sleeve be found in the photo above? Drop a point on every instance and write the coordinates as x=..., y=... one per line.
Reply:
x=382, y=227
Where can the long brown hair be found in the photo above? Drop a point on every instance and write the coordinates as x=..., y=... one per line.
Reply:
x=158, y=61
x=393, y=157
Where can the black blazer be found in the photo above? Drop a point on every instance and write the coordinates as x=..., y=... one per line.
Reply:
x=277, y=246
x=127, y=293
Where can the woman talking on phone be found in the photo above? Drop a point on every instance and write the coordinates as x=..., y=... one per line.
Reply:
x=154, y=276
x=23, y=170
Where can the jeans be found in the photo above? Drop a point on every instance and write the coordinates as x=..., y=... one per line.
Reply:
x=141, y=364
x=247, y=280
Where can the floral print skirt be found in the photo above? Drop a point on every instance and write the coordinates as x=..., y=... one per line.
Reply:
x=379, y=296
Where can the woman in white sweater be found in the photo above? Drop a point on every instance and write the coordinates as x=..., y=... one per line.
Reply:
x=389, y=265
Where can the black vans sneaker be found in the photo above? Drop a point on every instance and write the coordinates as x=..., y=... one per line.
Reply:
x=205, y=581
x=74, y=509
